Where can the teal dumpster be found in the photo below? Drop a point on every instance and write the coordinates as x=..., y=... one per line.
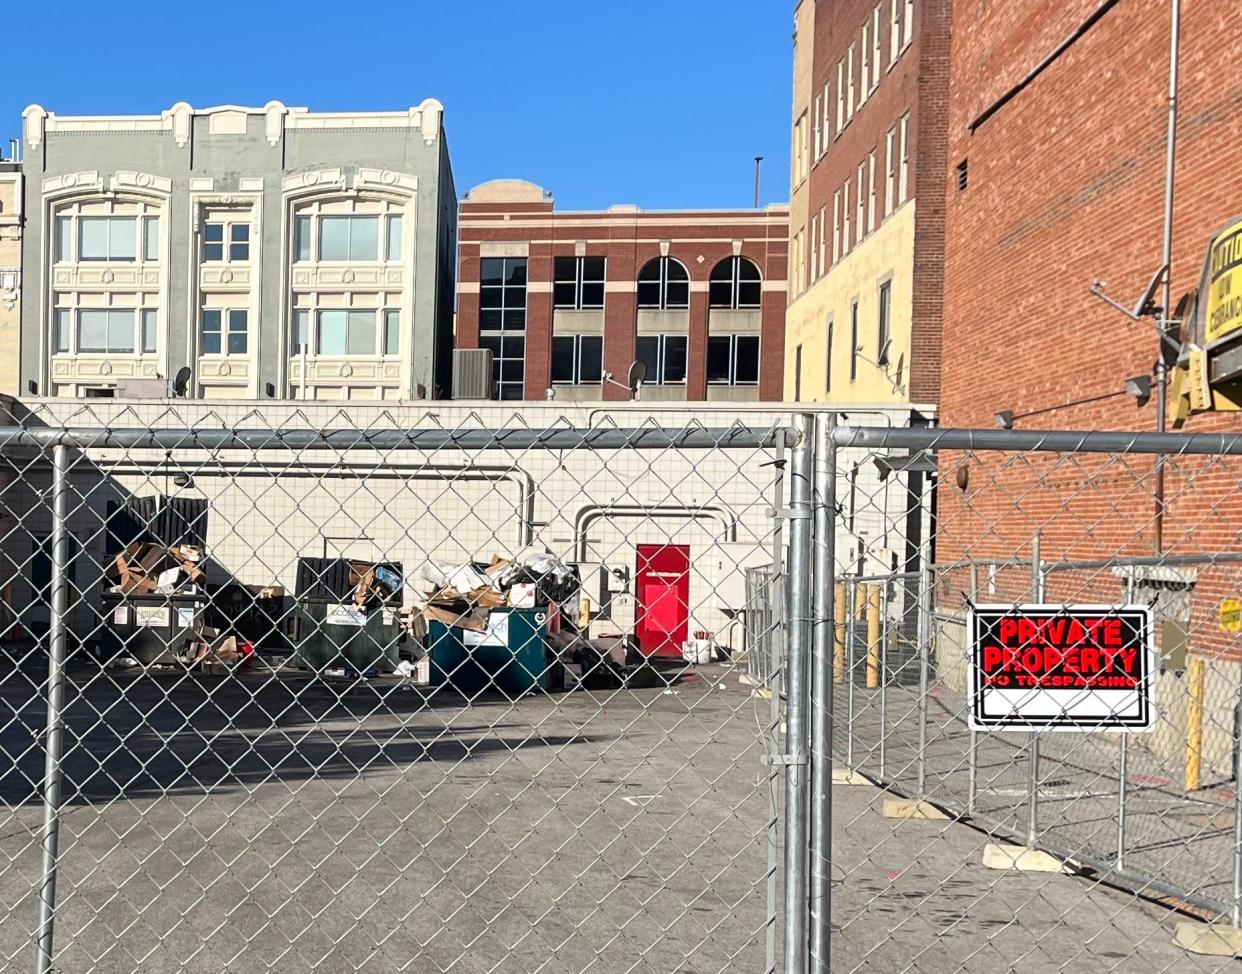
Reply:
x=511, y=656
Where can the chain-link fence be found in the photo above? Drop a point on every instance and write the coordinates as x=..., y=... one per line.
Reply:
x=345, y=691
x=1108, y=850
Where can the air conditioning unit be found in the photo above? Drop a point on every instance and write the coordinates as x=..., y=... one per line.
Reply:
x=472, y=373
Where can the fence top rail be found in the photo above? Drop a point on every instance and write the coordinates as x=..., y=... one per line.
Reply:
x=1051, y=441
x=556, y=438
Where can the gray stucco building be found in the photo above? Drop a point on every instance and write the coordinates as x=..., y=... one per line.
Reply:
x=275, y=251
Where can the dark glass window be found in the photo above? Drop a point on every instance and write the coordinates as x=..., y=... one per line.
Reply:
x=564, y=351
x=719, y=350
x=664, y=356
x=663, y=283
x=735, y=283
x=882, y=324
x=578, y=282
x=733, y=359
x=577, y=358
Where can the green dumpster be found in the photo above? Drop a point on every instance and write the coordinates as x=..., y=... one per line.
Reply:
x=511, y=656
x=332, y=631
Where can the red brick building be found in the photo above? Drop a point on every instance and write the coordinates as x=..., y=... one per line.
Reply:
x=569, y=300
x=1055, y=176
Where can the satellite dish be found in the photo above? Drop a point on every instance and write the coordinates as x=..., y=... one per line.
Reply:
x=1147, y=303
x=638, y=375
x=181, y=382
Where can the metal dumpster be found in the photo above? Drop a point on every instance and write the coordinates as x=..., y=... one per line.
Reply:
x=511, y=656
x=149, y=626
x=330, y=630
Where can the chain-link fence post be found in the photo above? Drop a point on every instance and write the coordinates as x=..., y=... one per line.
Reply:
x=796, y=682
x=822, y=681
x=925, y=638
x=1123, y=761
x=1237, y=808
x=972, y=753
x=54, y=727
x=1032, y=807
x=851, y=614
x=775, y=677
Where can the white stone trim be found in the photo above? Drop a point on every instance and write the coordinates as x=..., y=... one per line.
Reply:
x=140, y=182
x=384, y=180
x=314, y=180
x=202, y=184
x=504, y=249
x=72, y=182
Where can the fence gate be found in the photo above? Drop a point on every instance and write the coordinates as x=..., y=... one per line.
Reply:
x=970, y=829
x=382, y=708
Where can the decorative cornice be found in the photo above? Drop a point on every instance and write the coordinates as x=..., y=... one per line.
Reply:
x=141, y=182
x=314, y=180
x=385, y=179
x=72, y=182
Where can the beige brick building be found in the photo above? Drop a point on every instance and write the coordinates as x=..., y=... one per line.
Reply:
x=10, y=273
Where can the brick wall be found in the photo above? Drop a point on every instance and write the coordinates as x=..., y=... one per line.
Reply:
x=699, y=239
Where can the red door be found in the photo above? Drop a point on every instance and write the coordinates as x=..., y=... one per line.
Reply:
x=662, y=620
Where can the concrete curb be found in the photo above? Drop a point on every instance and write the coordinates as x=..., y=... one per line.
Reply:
x=997, y=855
x=909, y=808
x=1209, y=939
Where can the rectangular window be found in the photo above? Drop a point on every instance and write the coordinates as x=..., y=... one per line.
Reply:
x=393, y=252
x=814, y=255
x=149, y=333
x=904, y=181
x=864, y=88
x=896, y=8
x=854, y=340
x=883, y=320
x=819, y=129
x=302, y=237
x=577, y=358
x=150, y=238
x=213, y=241
x=301, y=331
x=828, y=359
x=349, y=238
x=502, y=294
x=819, y=245
x=107, y=238
x=798, y=374
x=876, y=18
x=225, y=332
x=60, y=339
x=239, y=241
x=827, y=123
x=845, y=216
x=840, y=95
x=851, y=95
x=392, y=332
x=890, y=170
x=106, y=330
x=871, y=192
x=861, y=214
x=508, y=362
x=733, y=359
x=665, y=358
x=64, y=238
x=578, y=282
x=908, y=35
x=344, y=332
x=836, y=226
x=238, y=320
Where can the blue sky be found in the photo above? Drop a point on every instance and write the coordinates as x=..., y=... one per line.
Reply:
x=663, y=104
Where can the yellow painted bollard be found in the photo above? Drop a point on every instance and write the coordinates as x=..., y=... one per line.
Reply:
x=1194, y=724
x=874, y=649
x=838, y=635
x=584, y=614
x=860, y=601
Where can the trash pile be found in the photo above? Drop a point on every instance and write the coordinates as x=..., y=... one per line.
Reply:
x=367, y=585
x=464, y=595
x=151, y=569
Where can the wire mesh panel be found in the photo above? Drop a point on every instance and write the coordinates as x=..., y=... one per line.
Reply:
x=960, y=848
x=350, y=691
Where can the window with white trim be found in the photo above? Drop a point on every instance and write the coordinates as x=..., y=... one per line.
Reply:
x=814, y=254
x=820, y=245
x=836, y=226
x=224, y=331
x=860, y=221
x=502, y=322
x=374, y=234
x=346, y=331
x=226, y=241
x=845, y=216
x=735, y=283
x=827, y=122
x=896, y=10
x=877, y=19
x=106, y=330
x=577, y=359
x=871, y=191
x=351, y=238
x=148, y=323
x=578, y=282
x=392, y=332
x=851, y=94
x=819, y=128
x=664, y=356
x=890, y=171
x=840, y=96
x=864, y=87
x=733, y=360
x=908, y=36
x=904, y=181
x=664, y=283
x=799, y=150
x=884, y=301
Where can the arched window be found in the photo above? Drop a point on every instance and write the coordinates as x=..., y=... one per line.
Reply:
x=664, y=282
x=735, y=283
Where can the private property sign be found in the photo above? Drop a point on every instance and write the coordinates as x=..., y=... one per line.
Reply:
x=1061, y=667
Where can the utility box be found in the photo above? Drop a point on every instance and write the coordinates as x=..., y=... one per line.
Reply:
x=472, y=373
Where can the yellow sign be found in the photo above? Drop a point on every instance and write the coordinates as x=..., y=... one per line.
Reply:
x=1231, y=615
x=1223, y=314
